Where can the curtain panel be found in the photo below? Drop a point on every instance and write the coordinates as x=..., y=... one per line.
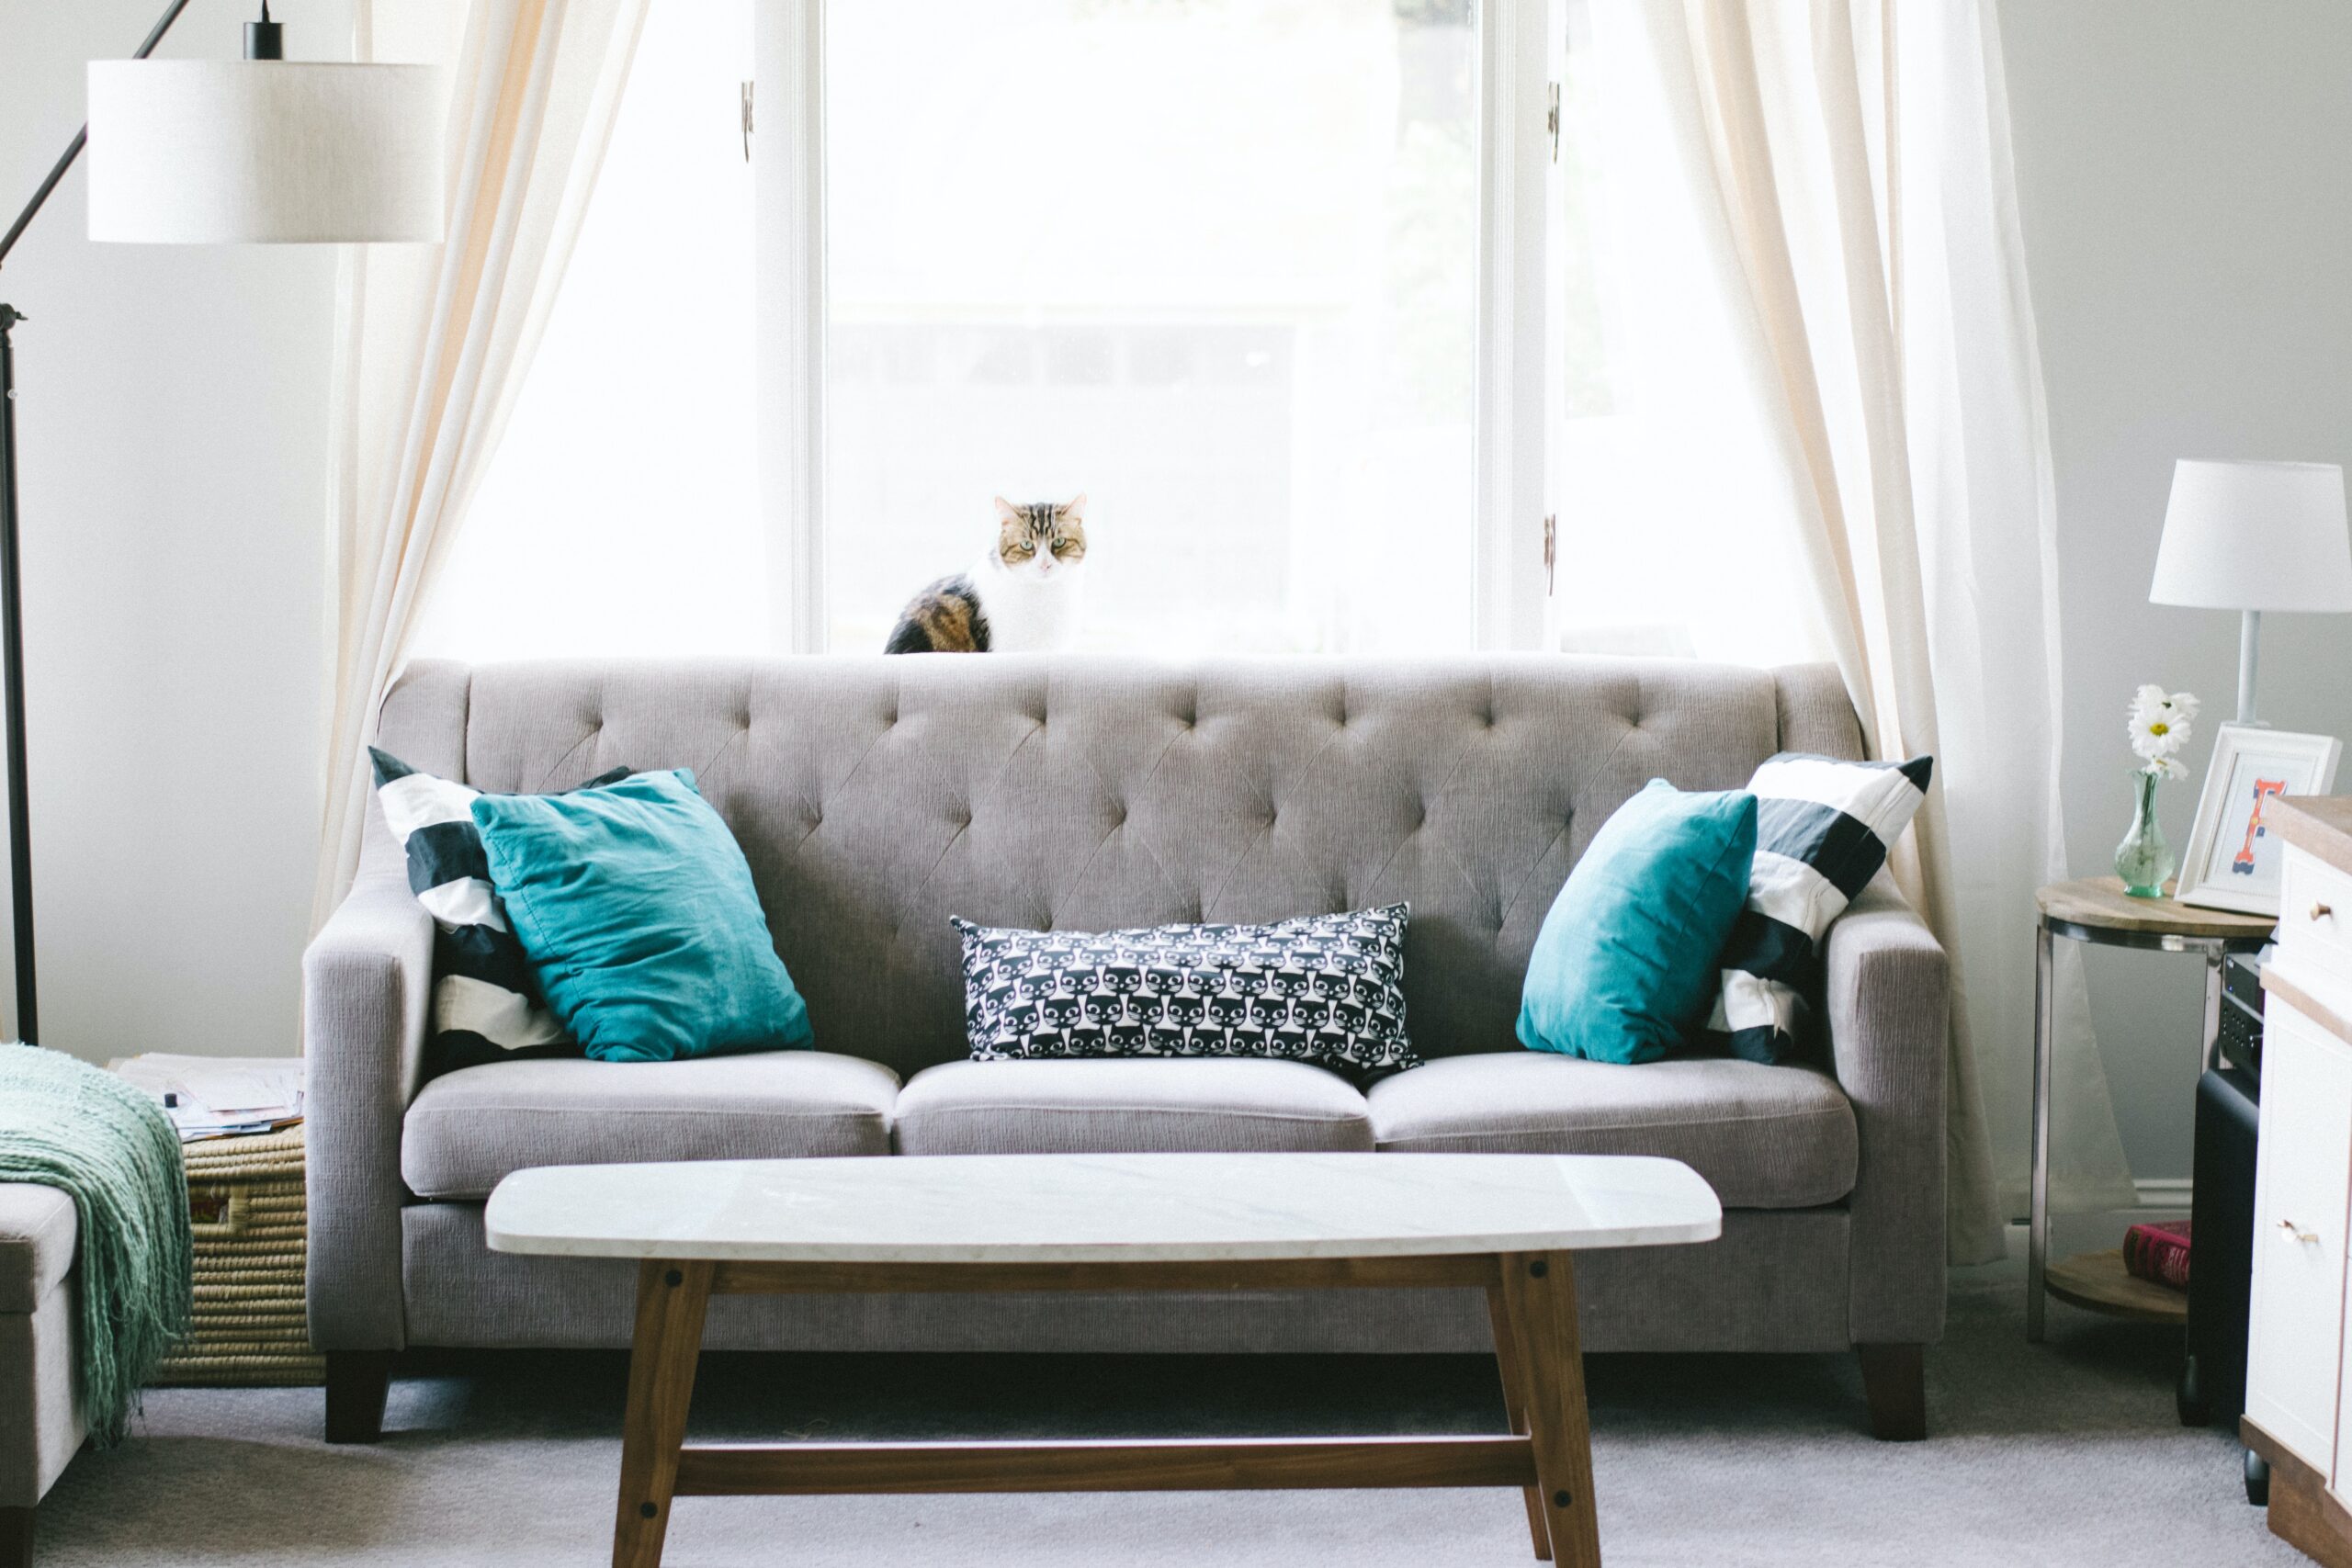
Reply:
x=433, y=341
x=1838, y=175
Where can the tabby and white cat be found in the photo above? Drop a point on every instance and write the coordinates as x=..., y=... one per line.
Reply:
x=1023, y=596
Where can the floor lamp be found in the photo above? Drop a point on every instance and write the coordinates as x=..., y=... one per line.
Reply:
x=255, y=151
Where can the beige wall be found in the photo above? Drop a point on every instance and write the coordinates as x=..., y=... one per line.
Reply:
x=2185, y=172
x=171, y=417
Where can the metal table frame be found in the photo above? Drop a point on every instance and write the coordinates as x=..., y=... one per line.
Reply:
x=2213, y=949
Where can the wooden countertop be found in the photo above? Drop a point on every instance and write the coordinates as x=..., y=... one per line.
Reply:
x=2317, y=824
x=2101, y=902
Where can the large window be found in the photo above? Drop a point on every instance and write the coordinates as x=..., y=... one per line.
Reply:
x=1210, y=263
x=1314, y=299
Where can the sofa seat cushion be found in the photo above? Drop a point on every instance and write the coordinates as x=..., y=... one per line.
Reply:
x=469, y=1128
x=1765, y=1137
x=37, y=1231
x=1129, y=1106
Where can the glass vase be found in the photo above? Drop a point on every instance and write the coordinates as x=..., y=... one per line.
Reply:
x=2143, y=860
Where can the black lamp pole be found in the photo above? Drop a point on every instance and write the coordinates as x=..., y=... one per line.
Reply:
x=12, y=628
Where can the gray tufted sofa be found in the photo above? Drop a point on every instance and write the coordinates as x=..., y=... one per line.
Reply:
x=874, y=797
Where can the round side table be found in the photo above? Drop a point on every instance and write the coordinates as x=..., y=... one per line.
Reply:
x=2097, y=910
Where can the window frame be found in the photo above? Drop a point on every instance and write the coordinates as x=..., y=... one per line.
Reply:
x=1518, y=40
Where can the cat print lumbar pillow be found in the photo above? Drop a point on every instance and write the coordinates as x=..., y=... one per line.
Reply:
x=1022, y=596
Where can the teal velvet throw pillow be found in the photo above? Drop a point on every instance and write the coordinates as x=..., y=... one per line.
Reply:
x=636, y=907
x=1624, y=966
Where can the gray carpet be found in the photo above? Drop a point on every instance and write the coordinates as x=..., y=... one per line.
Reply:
x=2066, y=1453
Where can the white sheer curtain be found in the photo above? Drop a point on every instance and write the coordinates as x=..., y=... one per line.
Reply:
x=1985, y=501
x=1814, y=217
x=433, y=341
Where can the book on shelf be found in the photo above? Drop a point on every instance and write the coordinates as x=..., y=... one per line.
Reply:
x=2158, y=1253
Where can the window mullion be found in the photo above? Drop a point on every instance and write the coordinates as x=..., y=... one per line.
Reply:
x=1514, y=171
x=790, y=227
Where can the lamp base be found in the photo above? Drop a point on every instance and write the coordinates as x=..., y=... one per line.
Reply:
x=2249, y=662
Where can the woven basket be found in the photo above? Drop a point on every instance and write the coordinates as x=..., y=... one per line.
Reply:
x=252, y=1242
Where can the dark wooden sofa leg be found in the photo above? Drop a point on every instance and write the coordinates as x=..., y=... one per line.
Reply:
x=1894, y=1381
x=16, y=1538
x=356, y=1383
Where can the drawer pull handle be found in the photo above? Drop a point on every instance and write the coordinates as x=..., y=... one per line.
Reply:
x=2320, y=912
x=2296, y=1232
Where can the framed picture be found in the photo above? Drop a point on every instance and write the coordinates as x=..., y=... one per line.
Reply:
x=2233, y=860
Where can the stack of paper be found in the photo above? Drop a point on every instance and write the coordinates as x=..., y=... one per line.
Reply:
x=219, y=1097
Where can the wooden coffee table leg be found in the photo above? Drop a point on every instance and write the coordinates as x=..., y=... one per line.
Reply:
x=1506, y=1362
x=1539, y=1294
x=670, y=1302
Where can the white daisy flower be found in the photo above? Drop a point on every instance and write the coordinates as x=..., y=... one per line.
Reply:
x=2158, y=724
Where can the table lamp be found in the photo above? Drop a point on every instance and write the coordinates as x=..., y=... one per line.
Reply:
x=2252, y=537
x=215, y=151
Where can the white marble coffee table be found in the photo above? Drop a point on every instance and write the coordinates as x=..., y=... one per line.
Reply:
x=1504, y=1223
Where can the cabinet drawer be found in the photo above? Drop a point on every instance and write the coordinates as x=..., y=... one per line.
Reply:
x=2302, y=1181
x=2315, y=915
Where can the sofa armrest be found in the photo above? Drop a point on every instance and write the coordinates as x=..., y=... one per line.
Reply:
x=1887, y=1001
x=366, y=989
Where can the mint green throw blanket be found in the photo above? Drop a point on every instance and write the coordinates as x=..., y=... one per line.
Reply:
x=66, y=1125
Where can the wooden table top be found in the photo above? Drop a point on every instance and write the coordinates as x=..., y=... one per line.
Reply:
x=2100, y=903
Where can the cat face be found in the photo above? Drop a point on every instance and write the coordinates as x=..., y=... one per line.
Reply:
x=1040, y=540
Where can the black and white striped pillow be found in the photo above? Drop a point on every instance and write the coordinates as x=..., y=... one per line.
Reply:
x=1822, y=828
x=486, y=1002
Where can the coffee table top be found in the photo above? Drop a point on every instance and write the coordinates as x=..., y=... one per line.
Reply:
x=1101, y=1208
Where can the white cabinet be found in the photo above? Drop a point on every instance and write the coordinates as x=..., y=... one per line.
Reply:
x=2301, y=1203
x=2316, y=916
x=2298, y=1408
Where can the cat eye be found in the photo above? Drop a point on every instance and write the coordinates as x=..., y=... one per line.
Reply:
x=1064, y=546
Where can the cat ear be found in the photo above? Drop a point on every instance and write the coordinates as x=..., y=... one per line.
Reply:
x=1075, y=509
x=1006, y=512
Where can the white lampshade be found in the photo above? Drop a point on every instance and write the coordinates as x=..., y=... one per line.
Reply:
x=2256, y=536
x=225, y=152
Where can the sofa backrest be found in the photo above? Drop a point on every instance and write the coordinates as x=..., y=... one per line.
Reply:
x=877, y=796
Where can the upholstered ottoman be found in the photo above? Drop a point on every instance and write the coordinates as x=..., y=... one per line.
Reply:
x=40, y=1424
